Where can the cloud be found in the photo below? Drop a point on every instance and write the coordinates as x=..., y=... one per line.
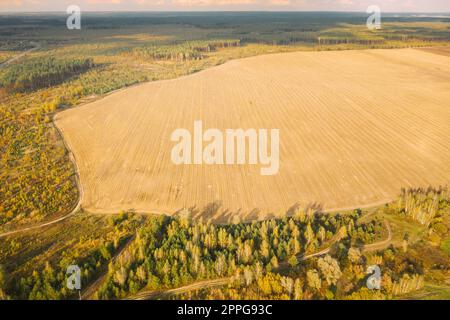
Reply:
x=17, y=3
x=103, y=2
x=410, y=4
x=191, y=3
x=345, y=2
x=280, y=2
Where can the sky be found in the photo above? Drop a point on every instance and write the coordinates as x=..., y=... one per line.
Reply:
x=438, y=6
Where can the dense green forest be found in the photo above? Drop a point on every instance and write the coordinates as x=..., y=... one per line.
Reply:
x=189, y=50
x=41, y=73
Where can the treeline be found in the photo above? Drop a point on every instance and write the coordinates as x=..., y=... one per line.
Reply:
x=213, y=45
x=334, y=37
x=423, y=205
x=189, y=50
x=42, y=72
x=408, y=284
x=171, y=252
x=428, y=206
x=314, y=41
x=332, y=41
x=424, y=38
x=358, y=36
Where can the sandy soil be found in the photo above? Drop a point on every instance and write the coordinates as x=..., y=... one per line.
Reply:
x=355, y=127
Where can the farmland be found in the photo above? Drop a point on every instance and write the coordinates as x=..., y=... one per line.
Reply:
x=349, y=126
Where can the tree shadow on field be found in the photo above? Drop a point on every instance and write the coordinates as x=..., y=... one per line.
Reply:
x=310, y=208
x=315, y=207
x=293, y=209
x=208, y=213
x=211, y=210
x=215, y=213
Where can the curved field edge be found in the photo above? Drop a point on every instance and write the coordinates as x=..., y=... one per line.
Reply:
x=110, y=109
x=56, y=217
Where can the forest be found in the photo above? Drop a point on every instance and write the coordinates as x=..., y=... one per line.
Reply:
x=263, y=260
x=41, y=73
x=307, y=255
x=186, y=253
x=189, y=50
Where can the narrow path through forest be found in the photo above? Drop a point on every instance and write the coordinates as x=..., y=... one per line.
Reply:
x=20, y=55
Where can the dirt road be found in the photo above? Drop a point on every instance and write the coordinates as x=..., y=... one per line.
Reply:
x=152, y=295
x=381, y=244
x=89, y=291
x=36, y=47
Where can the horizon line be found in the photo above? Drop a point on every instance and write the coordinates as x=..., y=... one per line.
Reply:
x=224, y=11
